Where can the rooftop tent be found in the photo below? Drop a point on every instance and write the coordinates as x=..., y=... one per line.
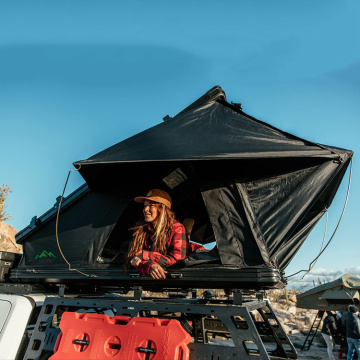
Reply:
x=334, y=295
x=254, y=189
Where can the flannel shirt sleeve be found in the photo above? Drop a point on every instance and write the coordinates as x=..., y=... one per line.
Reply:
x=178, y=249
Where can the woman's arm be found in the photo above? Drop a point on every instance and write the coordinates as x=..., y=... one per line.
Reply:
x=178, y=249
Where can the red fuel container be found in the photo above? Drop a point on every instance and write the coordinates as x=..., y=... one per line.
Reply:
x=97, y=336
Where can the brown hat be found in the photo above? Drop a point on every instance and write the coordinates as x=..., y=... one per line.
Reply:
x=156, y=195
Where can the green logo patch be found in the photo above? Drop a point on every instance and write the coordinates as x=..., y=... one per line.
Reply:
x=45, y=255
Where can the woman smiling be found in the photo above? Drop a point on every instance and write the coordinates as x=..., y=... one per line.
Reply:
x=159, y=240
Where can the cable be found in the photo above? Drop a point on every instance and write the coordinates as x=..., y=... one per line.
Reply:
x=57, y=223
x=311, y=267
x=337, y=226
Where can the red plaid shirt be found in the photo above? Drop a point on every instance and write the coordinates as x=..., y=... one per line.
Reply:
x=178, y=247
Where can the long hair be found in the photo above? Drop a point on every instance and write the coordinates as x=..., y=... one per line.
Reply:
x=162, y=229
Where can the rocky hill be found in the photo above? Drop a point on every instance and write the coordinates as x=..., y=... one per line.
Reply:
x=7, y=239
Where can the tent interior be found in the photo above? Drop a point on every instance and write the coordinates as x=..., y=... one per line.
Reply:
x=253, y=191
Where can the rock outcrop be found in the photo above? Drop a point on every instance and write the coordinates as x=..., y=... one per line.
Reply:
x=7, y=239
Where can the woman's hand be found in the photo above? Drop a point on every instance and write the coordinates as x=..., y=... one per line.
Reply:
x=157, y=272
x=135, y=261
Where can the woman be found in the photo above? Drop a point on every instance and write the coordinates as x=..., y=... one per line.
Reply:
x=159, y=241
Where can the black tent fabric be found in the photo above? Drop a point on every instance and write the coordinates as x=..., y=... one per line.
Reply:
x=251, y=189
x=83, y=229
x=263, y=189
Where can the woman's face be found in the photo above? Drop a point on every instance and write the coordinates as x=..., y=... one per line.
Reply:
x=151, y=211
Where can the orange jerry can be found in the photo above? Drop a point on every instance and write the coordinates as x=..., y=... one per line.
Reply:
x=97, y=336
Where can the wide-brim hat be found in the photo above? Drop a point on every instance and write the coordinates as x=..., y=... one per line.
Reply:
x=156, y=195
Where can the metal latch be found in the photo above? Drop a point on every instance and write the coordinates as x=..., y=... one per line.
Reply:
x=176, y=276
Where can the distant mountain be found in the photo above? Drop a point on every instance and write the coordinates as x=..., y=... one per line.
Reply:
x=7, y=239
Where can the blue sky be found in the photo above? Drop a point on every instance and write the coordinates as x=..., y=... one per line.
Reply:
x=79, y=76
